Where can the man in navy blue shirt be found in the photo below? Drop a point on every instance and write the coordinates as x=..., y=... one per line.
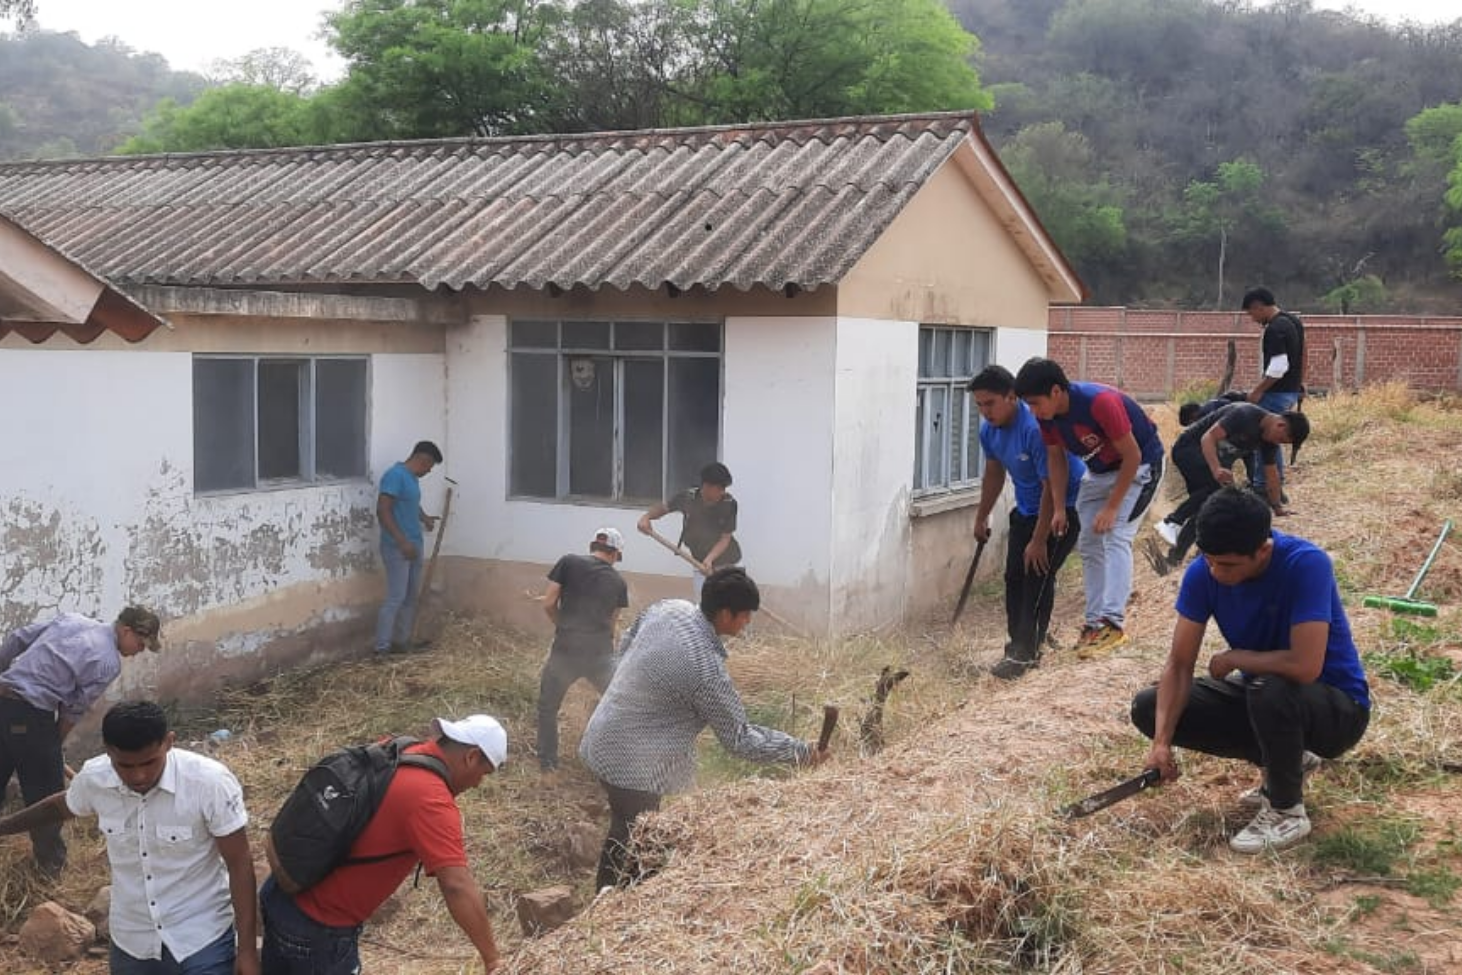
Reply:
x=1117, y=440
x=1011, y=438
x=1288, y=692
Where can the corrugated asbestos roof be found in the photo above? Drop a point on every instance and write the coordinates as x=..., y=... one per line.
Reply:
x=758, y=205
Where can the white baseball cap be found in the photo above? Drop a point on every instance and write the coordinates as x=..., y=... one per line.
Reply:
x=610, y=538
x=479, y=731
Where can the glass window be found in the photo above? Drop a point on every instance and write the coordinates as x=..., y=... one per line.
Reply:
x=947, y=426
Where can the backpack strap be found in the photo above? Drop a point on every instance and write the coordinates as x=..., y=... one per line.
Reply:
x=429, y=762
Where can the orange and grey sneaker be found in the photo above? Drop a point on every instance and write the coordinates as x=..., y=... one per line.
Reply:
x=1108, y=637
x=1089, y=633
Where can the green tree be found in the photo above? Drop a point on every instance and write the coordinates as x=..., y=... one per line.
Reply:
x=1058, y=173
x=1452, y=239
x=22, y=11
x=780, y=59
x=1212, y=211
x=232, y=117
x=267, y=67
x=1362, y=295
x=422, y=68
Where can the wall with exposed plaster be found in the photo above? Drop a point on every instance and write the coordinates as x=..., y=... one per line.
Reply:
x=97, y=509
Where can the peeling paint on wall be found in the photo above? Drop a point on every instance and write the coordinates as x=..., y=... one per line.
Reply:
x=52, y=561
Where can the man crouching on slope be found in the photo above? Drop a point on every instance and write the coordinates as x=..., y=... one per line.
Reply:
x=1290, y=691
x=670, y=683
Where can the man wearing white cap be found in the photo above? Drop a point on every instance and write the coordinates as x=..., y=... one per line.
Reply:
x=317, y=931
x=584, y=597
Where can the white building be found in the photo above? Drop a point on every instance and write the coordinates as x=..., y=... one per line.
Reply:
x=581, y=322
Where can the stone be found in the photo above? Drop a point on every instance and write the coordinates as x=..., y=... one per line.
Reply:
x=53, y=934
x=546, y=909
x=99, y=912
x=581, y=844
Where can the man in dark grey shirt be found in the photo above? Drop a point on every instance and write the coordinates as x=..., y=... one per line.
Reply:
x=670, y=683
x=585, y=594
x=1244, y=427
x=709, y=528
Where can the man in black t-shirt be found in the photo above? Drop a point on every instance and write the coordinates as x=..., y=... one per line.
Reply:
x=1246, y=428
x=709, y=528
x=1282, y=386
x=584, y=596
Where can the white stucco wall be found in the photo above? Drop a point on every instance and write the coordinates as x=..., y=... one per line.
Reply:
x=876, y=379
x=1013, y=346
x=97, y=505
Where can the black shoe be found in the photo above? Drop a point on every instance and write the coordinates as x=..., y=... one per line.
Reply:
x=1010, y=669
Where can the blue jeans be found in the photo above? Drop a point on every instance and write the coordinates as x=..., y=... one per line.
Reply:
x=1274, y=403
x=1106, y=559
x=403, y=578
x=297, y=944
x=215, y=959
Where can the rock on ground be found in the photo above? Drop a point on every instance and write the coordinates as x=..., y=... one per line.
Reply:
x=546, y=909
x=53, y=934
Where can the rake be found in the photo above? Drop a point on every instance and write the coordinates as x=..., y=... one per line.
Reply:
x=1409, y=603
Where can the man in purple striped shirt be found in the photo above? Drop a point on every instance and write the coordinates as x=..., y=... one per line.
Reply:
x=51, y=673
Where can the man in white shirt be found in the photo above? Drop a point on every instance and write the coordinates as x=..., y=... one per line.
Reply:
x=182, y=874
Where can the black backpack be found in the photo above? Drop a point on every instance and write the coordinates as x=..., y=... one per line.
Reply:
x=331, y=806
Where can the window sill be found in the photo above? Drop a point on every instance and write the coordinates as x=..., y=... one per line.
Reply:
x=938, y=504
x=280, y=486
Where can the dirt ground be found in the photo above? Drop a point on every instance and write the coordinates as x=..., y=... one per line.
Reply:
x=942, y=853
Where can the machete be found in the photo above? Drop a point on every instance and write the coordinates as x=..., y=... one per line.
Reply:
x=1115, y=794
x=964, y=593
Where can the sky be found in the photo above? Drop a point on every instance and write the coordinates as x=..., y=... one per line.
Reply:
x=192, y=34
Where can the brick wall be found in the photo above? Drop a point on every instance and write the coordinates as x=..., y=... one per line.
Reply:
x=1151, y=354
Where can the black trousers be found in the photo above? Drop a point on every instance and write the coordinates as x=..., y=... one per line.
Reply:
x=30, y=747
x=1029, y=596
x=1202, y=485
x=617, y=867
x=1266, y=721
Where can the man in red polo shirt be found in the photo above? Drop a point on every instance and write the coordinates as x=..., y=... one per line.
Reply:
x=317, y=932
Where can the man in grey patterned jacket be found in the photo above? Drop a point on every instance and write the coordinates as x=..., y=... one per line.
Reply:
x=670, y=683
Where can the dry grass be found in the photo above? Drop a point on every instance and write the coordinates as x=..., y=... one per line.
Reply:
x=942, y=854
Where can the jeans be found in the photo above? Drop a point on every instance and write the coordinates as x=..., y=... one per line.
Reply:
x=566, y=664
x=30, y=747
x=1030, y=595
x=1266, y=721
x=1106, y=559
x=617, y=867
x=1274, y=403
x=297, y=944
x=403, y=578
x=214, y=959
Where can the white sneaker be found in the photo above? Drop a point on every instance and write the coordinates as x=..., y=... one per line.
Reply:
x=1167, y=531
x=1272, y=829
x=1254, y=798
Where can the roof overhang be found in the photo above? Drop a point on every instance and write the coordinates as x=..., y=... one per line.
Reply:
x=980, y=163
x=43, y=292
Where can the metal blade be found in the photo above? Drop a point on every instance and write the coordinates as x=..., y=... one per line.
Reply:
x=1113, y=795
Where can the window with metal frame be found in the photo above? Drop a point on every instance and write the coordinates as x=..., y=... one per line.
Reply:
x=947, y=454
x=624, y=411
x=261, y=422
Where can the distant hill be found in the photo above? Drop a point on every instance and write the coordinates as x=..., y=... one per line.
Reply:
x=62, y=97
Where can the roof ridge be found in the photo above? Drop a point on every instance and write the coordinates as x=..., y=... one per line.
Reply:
x=872, y=123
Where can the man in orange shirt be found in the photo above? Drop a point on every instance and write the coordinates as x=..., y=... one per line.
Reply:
x=317, y=931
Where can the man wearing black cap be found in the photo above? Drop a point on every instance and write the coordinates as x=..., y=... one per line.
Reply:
x=51, y=673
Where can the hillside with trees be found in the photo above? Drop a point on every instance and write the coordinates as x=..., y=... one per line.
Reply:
x=1178, y=150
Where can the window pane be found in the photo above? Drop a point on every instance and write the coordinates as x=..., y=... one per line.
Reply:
x=340, y=417
x=695, y=337
x=926, y=352
x=533, y=335
x=282, y=397
x=590, y=383
x=920, y=435
x=223, y=424
x=962, y=353
x=972, y=441
x=639, y=336
x=585, y=335
x=644, y=428
x=958, y=434
x=941, y=364
x=533, y=448
x=695, y=413
x=980, y=352
x=938, y=435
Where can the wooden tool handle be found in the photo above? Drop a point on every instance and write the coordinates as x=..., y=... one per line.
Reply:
x=829, y=723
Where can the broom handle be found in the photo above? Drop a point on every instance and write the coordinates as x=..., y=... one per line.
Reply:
x=1427, y=565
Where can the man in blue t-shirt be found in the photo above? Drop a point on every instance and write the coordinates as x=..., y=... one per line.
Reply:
x=1289, y=692
x=1011, y=437
x=398, y=509
x=1106, y=429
